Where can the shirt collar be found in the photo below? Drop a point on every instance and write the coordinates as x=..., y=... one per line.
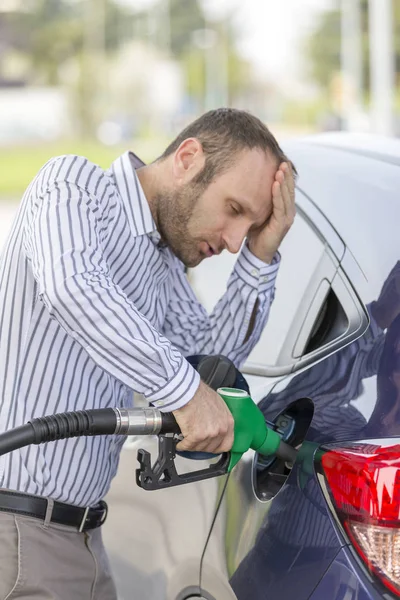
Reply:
x=137, y=207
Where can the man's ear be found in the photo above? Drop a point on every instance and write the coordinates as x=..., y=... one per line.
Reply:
x=188, y=160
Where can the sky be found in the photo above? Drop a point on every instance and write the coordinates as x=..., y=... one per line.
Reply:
x=271, y=30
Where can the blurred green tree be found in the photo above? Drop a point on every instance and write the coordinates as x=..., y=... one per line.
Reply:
x=56, y=30
x=185, y=17
x=53, y=33
x=183, y=33
x=323, y=46
x=69, y=43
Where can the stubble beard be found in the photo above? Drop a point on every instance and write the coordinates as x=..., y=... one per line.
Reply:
x=174, y=211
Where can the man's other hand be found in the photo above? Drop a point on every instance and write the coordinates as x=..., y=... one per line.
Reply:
x=206, y=423
x=265, y=241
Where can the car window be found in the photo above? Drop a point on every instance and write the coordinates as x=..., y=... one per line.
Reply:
x=302, y=251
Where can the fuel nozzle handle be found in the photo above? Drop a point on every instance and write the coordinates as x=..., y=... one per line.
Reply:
x=169, y=424
x=251, y=430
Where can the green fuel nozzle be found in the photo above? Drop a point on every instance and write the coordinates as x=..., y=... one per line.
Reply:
x=250, y=429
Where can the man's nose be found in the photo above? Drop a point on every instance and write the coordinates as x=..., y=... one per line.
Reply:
x=233, y=240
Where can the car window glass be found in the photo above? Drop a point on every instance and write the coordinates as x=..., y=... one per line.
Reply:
x=301, y=252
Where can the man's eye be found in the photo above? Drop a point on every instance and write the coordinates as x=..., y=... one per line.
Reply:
x=235, y=210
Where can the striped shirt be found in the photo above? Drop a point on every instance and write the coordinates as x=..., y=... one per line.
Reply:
x=94, y=308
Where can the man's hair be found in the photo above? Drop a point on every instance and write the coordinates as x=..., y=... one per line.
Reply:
x=223, y=133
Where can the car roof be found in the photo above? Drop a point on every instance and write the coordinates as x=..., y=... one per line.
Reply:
x=355, y=181
x=364, y=144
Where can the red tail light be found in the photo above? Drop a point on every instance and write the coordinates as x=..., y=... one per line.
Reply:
x=364, y=482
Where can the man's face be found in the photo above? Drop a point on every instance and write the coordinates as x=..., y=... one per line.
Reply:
x=197, y=223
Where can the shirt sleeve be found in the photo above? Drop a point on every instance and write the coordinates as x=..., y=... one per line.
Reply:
x=75, y=284
x=193, y=331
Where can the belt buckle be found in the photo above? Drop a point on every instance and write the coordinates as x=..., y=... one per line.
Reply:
x=104, y=517
x=85, y=514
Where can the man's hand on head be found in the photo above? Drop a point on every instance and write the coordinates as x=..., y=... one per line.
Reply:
x=265, y=241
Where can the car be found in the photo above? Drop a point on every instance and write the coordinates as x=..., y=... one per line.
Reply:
x=326, y=374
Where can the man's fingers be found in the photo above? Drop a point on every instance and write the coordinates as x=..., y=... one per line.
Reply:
x=208, y=445
x=206, y=423
x=284, y=209
x=282, y=200
x=216, y=445
x=265, y=241
x=280, y=174
x=286, y=197
x=279, y=210
x=290, y=206
x=288, y=192
x=288, y=177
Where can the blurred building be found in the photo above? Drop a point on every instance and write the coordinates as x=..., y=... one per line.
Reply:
x=33, y=113
x=143, y=87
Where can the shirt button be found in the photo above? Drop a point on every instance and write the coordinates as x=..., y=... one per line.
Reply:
x=254, y=272
x=265, y=279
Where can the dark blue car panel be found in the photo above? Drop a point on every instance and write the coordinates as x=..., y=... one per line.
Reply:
x=295, y=545
x=344, y=580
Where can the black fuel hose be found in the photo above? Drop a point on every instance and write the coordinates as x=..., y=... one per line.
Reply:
x=102, y=421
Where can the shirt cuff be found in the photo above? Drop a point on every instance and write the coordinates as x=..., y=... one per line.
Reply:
x=255, y=272
x=178, y=391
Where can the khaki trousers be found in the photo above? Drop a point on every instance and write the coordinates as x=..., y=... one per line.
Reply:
x=41, y=561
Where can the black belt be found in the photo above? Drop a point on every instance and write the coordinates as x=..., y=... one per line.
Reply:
x=64, y=514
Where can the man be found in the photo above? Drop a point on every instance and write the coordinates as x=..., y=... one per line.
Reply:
x=95, y=305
